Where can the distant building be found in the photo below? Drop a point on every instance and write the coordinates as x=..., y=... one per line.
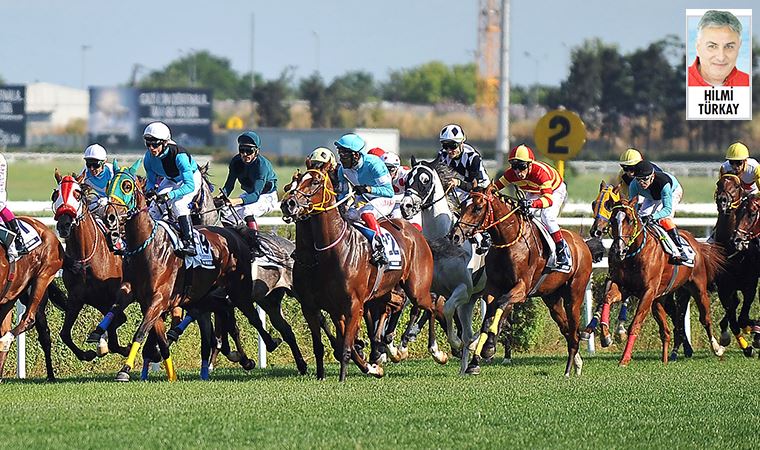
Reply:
x=51, y=107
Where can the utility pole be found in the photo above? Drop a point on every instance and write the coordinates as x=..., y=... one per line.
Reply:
x=502, y=134
x=253, y=82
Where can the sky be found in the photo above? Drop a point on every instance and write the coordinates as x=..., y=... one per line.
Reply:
x=97, y=43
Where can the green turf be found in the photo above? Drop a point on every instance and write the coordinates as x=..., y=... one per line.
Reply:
x=697, y=403
x=585, y=187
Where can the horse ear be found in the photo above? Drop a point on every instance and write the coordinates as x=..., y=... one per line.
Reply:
x=133, y=168
x=115, y=166
x=57, y=176
x=413, y=161
x=602, y=185
x=616, y=189
x=79, y=177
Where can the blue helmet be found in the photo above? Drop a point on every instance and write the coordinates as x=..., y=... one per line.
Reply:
x=351, y=142
x=249, y=138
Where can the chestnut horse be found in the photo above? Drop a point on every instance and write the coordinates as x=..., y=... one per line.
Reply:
x=639, y=267
x=91, y=272
x=516, y=269
x=33, y=272
x=159, y=278
x=342, y=279
x=741, y=273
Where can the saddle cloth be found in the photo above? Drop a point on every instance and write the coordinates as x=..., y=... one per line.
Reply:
x=203, y=259
x=29, y=235
x=390, y=246
x=670, y=247
x=551, y=261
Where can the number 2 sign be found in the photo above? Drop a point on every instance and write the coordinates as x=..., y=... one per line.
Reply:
x=560, y=135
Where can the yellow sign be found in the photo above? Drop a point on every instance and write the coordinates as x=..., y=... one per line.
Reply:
x=560, y=135
x=234, y=123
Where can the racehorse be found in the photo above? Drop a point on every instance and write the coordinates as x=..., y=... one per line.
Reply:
x=675, y=303
x=741, y=273
x=159, y=278
x=28, y=279
x=516, y=269
x=91, y=272
x=640, y=268
x=342, y=279
x=748, y=230
x=457, y=275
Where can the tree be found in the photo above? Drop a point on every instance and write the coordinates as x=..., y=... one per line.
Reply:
x=270, y=98
x=422, y=84
x=322, y=107
x=353, y=89
x=204, y=70
x=461, y=84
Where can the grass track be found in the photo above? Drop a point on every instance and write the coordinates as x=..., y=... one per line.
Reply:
x=695, y=403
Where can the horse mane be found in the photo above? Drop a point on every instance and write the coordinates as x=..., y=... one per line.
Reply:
x=442, y=247
x=445, y=173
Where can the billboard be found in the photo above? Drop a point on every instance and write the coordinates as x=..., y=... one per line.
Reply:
x=118, y=116
x=12, y=116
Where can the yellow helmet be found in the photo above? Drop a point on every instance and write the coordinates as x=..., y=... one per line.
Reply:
x=630, y=157
x=521, y=153
x=737, y=151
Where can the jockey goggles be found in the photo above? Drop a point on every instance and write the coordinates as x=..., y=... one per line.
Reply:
x=245, y=149
x=449, y=145
x=93, y=164
x=518, y=165
x=153, y=143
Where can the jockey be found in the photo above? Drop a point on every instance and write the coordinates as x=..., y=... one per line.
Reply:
x=398, y=176
x=257, y=179
x=463, y=158
x=628, y=161
x=322, y=157
x=180, y=180
x=97, y=173
x=662, y=193
x=544, y=189
x=371, y=182
x=11, y=222
x=739, y=163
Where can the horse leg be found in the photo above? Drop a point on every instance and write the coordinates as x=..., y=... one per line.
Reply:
x=473, y=367
x=612, y=295
x=390, y=335
x=113, y=336
x=352, y=322
x=457, y=297
x=645, y=304
x=250, y=312
x=573, y=299
x=272, y=306
x=730, y=301
x=73, y=309
x=123, y=298
x=151, y=315
x=315, y=320
x=699, y=291
x=163, y=347
x=227, y=326
x=557, y=311
x=743, y=322
x=591, y=326
x=465, y=313
x=417, y=320
x=150, y=354
x=661, y=317
x=36, y=296
x=207, y=342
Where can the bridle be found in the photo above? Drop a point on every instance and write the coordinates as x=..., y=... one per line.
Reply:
x=601, y=212
x=425, y=201
x=77, y=217
x=130, y=213
x=638, y=229
x=730, y=202
x=487, y=220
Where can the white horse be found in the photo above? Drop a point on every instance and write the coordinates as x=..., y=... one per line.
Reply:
x=459, y=274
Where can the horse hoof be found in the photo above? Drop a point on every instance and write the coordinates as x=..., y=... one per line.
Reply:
x=248, y=364
x=488, y=351
x=506, y=362
x=376, y=370
x=441, y=357
x=673, y=356
x=605, y=340
x=93, y=338
x=102, y=347
x=403, y=353
x=393, y=353
x=89, y=355
x=725, y=339
x=301, y=366
x=234, y=356
x=273, y=346
x=585, y=335
x=457, y=353
x=623, y=363
x=748, y=352
x=472, y=369
x=172, y=335
x=122, y=377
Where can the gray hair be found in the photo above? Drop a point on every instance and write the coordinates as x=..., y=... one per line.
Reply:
x=719, y=19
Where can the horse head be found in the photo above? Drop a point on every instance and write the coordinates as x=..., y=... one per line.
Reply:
x=747, y=222
x=728, y=193
x=124, y=192
x=313, y=194
x=626, y=227
x=420, y=189
x=608, y=197
x=68, y=202
x=477, y=213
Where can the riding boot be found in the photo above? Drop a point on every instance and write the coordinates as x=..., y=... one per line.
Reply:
x=378, y=250
x=20, y=245
x=563, y=259
x=253, y=234
x=186, y=234
x=681, y=258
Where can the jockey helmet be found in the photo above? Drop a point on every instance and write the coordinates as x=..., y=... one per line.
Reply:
x=391, y=159
x=321, y=155
x=630, y=157
x=452, y=132
x=249, y=138
x=351, y=142
x=157, y=130
x=643, y=169
x=737, y=151
x=377, y=151
x=521, y=153
x=96, y=152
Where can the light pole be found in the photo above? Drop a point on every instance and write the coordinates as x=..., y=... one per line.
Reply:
x=84, y=49
x=316, y=48
x=538, y=71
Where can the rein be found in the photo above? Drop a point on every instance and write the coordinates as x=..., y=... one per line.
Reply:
x=638, y=231
x=736, y=203
x=94, y=245
x=491, y=222
x=424, y=204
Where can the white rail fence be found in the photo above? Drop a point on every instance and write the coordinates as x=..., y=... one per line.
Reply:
x=705, y=223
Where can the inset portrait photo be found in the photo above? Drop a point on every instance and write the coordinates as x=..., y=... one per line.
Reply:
x=719, y=64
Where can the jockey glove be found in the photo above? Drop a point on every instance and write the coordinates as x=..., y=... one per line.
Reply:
x=163, y=198
x=465, y=186
x=648, y=220
x=526, y=203
x=362, y=189
x=218, y=202
x=150, y=196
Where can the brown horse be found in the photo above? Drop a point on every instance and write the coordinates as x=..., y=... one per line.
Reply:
x=516, y=269
x=741, y=273
x=342, y=279
x=640, y=268
x=35, y=272
x=159, y=279
x=91, y=272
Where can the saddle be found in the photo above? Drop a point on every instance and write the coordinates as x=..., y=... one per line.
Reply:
x=551, y=262
x=669, y=247
x=390, y=246
x=29, y=235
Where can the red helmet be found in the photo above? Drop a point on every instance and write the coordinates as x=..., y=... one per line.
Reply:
x=521, y=153
x=377, y=151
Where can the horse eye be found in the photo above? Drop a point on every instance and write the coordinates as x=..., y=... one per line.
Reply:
x=77, y=195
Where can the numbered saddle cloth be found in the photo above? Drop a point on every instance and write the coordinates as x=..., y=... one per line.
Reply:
x=203, y=258
x=390, y=246
x=670, y=247
x=29, y=235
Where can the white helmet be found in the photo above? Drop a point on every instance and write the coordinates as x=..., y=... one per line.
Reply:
x=157, y=130
x=452, y=132
x=322, y=155
x=95, y=151
x=391, y=159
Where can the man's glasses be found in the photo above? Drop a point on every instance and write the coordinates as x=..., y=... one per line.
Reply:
x=449, y=145
x=93, y=164
x=153, y=143
x=519, y=165
x=247, y=149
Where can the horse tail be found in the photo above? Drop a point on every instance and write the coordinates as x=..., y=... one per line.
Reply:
x=715, y=259
x=596, y=247
x=57, y=296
